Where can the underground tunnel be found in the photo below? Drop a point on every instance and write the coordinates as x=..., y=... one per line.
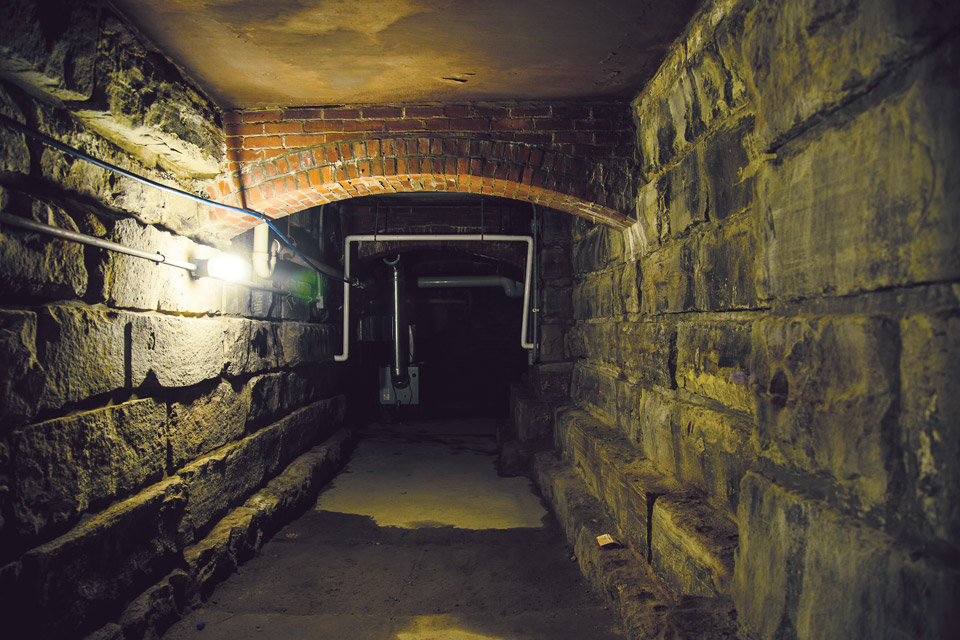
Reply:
x=479, y=321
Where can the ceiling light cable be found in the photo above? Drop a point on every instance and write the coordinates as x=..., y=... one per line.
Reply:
x=56, y=144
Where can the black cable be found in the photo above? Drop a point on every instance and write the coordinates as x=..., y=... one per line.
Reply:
x=56, y=144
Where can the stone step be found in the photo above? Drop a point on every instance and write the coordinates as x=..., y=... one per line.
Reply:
x=531, y=418
x=646, y=604
x=690, y=543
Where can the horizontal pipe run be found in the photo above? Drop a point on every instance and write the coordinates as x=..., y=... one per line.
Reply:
x=82, y=238
x=56, y=144
x=466, y=237
x=510, y=287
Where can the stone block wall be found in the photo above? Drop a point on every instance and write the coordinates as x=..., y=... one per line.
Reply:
x=778, y=331
x=154, y=428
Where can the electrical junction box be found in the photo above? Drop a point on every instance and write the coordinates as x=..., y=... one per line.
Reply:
x=389, y=395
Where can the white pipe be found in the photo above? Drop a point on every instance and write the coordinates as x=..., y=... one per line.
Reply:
x=263, y=264
x=510, y=287
x=528, y=273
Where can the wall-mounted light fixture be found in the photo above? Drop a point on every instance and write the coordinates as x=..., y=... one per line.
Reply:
x=227, y=267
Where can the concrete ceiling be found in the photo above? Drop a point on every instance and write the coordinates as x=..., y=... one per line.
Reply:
x=258, y=53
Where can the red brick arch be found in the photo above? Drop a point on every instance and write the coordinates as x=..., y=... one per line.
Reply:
x=301, y=178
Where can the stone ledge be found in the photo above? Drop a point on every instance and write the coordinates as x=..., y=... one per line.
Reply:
x=645, y=603
x=244, y=530
x=690, y=543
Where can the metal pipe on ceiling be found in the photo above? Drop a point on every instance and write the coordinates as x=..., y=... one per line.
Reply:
x=466, y=237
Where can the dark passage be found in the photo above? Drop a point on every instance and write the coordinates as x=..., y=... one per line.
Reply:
x=417, y=538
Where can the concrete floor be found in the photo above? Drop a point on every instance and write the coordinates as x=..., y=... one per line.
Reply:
x=417, y=539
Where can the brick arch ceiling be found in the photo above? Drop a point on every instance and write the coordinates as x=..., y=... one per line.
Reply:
x=296, y=179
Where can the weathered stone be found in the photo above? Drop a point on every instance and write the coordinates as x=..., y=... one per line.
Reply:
x=632, y=589
x=871, y=204
x=156, y=609
x=648, y=220
x=596, y=391
x=648, y=351
x=532, y=418
x=683, y=197
x=828, y=389
x=628, y=289
x=141, y=284
x=232, y=540
x=14, y=153
x=628, y=395
x=555, y=263
x=800, y=55
x=22, y=378
x=802, y=571
x=729, y=168
x=654, y=416
x=713, y=361
x=224, y=478
x=600, y=343
x=251, y=346
x=667, y=284
x=551, y=379
x=82, y=352
x=152, y=112
x=52, y=56
x=552, y=347
x=212, y=420
x=600, y=248
x=930, y=411
x=713, y=451
x=174, y=351
x=68, y=585
x=728, y=266
x=593, y=297
x=556, y=303
x=63, y=467
x=306, y=343
x=692, y=544
x=34, y=266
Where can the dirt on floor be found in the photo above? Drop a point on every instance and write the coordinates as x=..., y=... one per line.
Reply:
x=417, y=539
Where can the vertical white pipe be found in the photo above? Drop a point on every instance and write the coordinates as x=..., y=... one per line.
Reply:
x=466, y=237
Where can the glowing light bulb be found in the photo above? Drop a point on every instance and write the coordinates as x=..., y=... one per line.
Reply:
x=226, y=267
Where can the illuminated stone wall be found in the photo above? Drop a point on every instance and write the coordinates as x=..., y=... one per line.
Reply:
x=767, y=362
x=154, y=429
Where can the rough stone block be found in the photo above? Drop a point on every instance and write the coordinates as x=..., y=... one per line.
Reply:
x=648, y=351
x=266, y=397
x=667, y=284
x=151, y=111
x=304, y=343
x=216, y=417
x=808, y=57
x=34, y=266
x=69, y=585
x=683, y=196
x=640, y=598
x=692, y=544
x=593, y=297
x=655, y=422
x=596, y=391
x=713, y=361
x=729, y=168
x=22, y=378
x=63, y=467
x=555, y=263
x=552, y=347
x=551, y=380
x=531, y=417
x=156, y=609
x=81, y=350
x=648, y=220
x=174, y=351
x=728, y=266
x=556, y=303
x=53, y=56
x=802, y=571
x=870, y=204
x=930, y=411
x=713, y=450
x=627, y=289
x=139, y=284
x=217, y=556
x=828, y=393
x=223, y=479
x=600, y=343
x=14, y=153
x=599, y=249
x=251, y=346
